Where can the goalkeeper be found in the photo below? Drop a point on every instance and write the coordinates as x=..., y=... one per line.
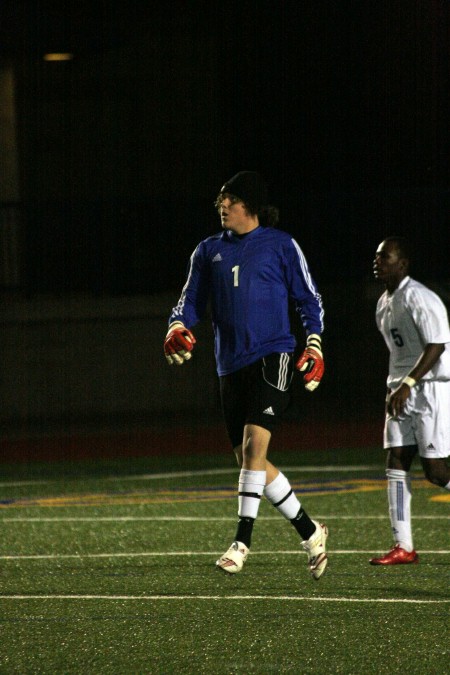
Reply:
x=250, y=273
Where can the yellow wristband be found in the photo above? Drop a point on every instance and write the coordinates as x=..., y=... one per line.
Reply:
x=410, y=381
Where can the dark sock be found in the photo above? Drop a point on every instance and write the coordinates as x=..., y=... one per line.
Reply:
x=303, y=524
x=244, y=531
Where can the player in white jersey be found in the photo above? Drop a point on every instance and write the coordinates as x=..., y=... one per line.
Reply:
x=414, y=323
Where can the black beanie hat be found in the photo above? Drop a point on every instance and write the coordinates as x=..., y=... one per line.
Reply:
x=248, y=186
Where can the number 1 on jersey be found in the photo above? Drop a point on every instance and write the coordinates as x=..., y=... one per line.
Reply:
x=235, y=271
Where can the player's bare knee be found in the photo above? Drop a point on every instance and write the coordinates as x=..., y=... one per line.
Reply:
x=435, y=479
x=401, y=458
x=436, y=472
x=253, y=452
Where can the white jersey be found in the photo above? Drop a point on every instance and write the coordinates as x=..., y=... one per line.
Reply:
x=409, y=319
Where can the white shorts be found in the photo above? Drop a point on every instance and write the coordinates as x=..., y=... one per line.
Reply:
x=425, y=421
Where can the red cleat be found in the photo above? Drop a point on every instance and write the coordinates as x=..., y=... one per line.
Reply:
x=396, y=556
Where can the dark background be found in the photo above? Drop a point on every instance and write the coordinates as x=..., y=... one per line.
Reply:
x=343, y=106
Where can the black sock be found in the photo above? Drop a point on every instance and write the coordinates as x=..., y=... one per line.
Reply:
x=244, y=530
x=303, y=524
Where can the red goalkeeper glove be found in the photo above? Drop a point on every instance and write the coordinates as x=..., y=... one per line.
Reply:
x=178, y=344
x=311, y=362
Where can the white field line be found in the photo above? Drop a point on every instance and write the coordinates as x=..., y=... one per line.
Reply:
x=206, y=472
x=212, y=472
x=221, y=598
x=189, y=519
x=191, y=554
x=22, y=483
x=234, y=470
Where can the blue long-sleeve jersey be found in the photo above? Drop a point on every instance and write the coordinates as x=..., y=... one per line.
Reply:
x=249, y=282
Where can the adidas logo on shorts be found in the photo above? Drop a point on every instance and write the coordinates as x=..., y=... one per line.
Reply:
x=268, y=411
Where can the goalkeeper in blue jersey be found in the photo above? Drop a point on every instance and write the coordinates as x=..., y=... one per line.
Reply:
x=250, y=274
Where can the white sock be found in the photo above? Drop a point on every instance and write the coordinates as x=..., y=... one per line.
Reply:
x=447, y=487
x=399, y=497
x=251, y=487
x=280, y=494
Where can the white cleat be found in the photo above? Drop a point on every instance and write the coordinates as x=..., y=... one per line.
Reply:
x=315, y=548
x=233, y=560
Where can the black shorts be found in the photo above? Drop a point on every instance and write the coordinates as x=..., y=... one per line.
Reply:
x=257, y=394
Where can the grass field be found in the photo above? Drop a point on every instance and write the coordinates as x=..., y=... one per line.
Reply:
x=108, y=567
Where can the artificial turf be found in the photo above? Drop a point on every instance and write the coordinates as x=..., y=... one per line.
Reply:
x=107, y=569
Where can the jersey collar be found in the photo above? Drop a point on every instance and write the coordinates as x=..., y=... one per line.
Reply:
x=231, y=236
x=403, y=282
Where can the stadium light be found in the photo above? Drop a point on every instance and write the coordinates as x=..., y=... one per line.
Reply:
x=58, y=56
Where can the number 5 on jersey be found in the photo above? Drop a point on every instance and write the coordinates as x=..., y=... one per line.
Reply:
x=397, y=337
